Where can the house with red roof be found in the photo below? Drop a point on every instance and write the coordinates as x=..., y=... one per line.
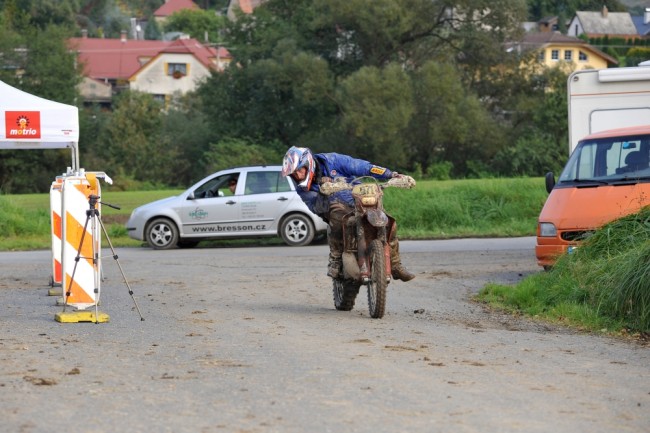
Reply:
x=171, y=6
x=161, y=68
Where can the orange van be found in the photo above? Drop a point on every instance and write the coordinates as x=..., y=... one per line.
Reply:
x=606, y=177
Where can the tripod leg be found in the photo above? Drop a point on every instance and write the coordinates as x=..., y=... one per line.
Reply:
x=110, y=244
x=76, y=262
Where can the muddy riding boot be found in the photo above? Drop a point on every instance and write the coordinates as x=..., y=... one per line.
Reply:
x=334, y=268
x=398, y=271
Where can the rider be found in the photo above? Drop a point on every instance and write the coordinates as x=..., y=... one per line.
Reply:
x=309, y=170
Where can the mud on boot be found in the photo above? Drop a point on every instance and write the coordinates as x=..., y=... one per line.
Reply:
x=399, y=272
x=334, y=268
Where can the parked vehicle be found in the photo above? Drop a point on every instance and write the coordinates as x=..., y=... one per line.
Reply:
x=366, y=253
x=264, y=204
x=607, y=175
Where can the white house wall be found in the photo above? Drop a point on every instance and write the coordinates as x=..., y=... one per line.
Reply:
x=575, y=28
x=153, y=78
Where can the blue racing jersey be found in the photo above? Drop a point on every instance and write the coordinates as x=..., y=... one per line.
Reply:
x=336, y=165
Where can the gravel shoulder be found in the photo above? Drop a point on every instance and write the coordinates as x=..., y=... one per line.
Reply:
x=247, y=340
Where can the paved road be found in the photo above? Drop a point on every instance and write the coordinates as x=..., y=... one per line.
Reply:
x=247, y=340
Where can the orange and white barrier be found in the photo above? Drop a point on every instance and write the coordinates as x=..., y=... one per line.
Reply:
x=80, y=237
x=57, y=227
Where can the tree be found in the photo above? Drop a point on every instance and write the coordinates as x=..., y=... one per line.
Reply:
x=152, y=30
x=199, y=24
x=376, y=110
x=287, y=98
x=135, y=147
x=538, y=9
x=50, y=69
x=360, y=45
x=450, y=123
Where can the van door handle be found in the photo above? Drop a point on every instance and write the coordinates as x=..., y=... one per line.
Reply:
x=283, y=199
x=231, y=202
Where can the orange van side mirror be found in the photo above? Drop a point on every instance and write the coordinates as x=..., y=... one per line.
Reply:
x=550, y=182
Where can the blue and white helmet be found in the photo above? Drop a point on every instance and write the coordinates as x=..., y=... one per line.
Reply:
x=297, y=158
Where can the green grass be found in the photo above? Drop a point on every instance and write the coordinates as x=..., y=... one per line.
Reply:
x=433, y=210
x=25, y=218
x=604, y=285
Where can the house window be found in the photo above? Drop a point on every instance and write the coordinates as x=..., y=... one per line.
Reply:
x=541, y=56
x=582, y=56
x=176, y=70
x=555, y=54
x=568, y=55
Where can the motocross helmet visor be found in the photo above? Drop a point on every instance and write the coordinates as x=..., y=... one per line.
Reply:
x=295, y=159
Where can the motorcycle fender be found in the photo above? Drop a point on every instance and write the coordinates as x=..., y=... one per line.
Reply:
x=377, y=218
x=351, y=267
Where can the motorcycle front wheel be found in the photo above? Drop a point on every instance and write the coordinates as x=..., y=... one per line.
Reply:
x=345, y=293
x=378, y=282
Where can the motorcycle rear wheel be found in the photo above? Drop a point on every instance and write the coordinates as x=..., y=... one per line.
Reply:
x=378, y=282
x=345, y=293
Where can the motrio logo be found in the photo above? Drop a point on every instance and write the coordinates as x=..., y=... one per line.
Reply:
x=23, y=125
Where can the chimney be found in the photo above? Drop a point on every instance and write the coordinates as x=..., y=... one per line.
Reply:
x=123, y=36
x=84, y=33
x=646, y=16
x=605, y=11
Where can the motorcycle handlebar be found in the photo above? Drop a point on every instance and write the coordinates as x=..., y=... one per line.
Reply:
x=329, y=188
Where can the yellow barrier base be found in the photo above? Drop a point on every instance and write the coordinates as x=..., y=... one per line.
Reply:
x=81, y=316
x=55, y=292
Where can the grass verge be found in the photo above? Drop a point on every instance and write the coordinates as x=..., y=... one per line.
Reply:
x=604, y=286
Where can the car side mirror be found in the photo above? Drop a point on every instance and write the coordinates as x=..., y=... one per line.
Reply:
x=550, y=182
x=191, y=196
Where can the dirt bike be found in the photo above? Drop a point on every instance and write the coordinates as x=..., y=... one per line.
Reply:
x=366, y=232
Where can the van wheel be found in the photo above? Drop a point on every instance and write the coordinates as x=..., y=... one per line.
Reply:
x=297, y=230
x=161, y=234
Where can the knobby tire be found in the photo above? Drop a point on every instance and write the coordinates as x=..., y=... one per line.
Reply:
x=378, y=283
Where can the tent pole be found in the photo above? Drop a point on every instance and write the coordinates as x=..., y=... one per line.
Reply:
x=75, y=157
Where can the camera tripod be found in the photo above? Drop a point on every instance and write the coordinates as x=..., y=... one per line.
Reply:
x=93, y=217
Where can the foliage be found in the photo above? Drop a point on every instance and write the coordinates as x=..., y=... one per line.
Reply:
x=235, y=153
x=152, y=31
x=134, y=142
x=608, y=278
x=377, y=106
x=450, y=124
x=199, y=24
x=636, y=55
x=538, y=9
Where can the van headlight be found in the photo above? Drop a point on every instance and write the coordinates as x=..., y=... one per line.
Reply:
x=547, y=230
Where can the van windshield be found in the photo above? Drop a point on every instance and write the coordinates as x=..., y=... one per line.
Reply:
x=608, y=160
